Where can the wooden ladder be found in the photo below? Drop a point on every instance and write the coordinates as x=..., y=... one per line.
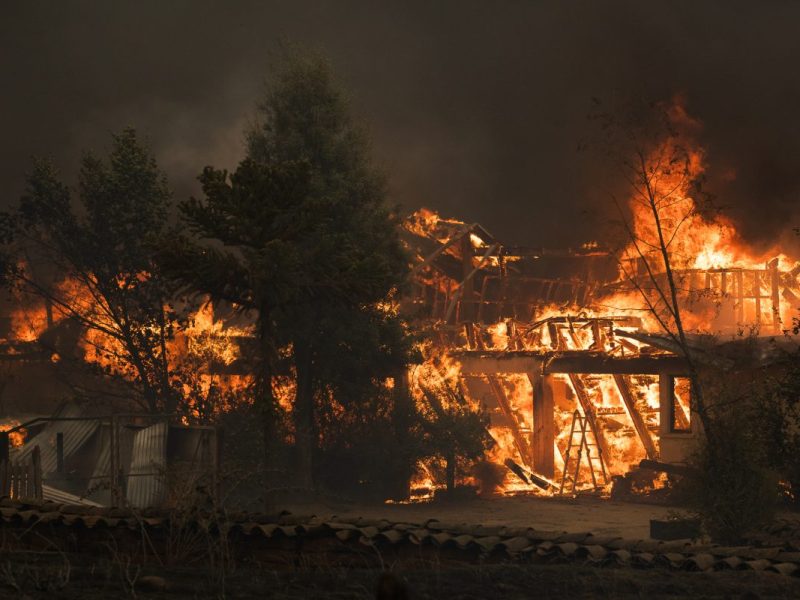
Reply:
x=582, y=426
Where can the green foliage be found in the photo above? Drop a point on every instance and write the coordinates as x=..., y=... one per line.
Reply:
x=300, y=233
x=736, y=491
x=252, y=258
x=352, y=253
x=347, y=234
x=100, y=242
x=455, y=434
x=780, y=422
x=361, y=452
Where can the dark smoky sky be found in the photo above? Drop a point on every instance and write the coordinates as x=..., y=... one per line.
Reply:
x=476, y=109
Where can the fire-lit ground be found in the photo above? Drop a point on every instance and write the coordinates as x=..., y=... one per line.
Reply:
x=574, y=515
x=294, y=555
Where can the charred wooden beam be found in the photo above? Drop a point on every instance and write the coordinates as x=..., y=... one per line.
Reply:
x=544, y=429
x=598, y=363
x=671, y=345
x=679, y=417
x=668, y=468
x=739, y=296
x=775, y=292
x=466, y=289
x=791, y=297
x=757, y=296
x=535, y=253
x=523, y=446
x=465, y=231
x=527, y=476
x=516, y=470
x=466, y=286
x=433, y=401
x=589, y=413
x=638, y=423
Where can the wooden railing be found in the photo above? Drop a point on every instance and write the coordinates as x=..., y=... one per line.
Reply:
x=22, y=480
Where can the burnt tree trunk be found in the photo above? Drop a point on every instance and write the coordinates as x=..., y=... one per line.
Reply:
x=267, y=407
x=402, y=418
x=304, y=414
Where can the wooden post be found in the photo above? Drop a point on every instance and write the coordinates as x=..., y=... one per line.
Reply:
x=467, y=287
x=726, y=304
x=5, y=479
x=112, y=475
x=465, y=310
x=543, y=423
x=29, y=490
x=670, y=411
x=740, y=296
x=588, y=412
x=217, y=458
x=37, y=474
x=17, y=475
x=3, y=446
x=757, y=294
x=482, y=302
x=664, y=404
x=775, y=284
x=60, y=452
x=523, y=444
x=501, y=311
x=636, y=418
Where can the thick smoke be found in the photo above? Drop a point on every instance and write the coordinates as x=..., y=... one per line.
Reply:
x=477, y=109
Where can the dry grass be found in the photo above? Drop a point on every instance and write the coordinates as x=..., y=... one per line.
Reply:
x=94, y=581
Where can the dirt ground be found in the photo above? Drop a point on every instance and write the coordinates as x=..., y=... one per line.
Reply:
x=575, y=515
x=472, y=582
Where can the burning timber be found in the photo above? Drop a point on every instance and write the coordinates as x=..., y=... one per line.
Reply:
x=580, y=384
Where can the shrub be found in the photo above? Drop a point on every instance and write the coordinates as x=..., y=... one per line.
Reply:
x=736, y=491
x=780, y=423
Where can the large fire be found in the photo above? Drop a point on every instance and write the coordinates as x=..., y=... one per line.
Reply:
x=198, y=351
x=725, y=284
x=724, y=287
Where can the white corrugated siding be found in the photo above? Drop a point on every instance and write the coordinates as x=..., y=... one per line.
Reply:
x=76, y=434
x=148, y=466
x=62, y=497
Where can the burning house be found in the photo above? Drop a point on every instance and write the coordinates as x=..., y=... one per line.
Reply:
x=584, y=356
x=581, y=380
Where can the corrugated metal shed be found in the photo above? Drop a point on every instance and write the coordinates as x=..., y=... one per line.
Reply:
x=98, y=484
x=55, y=495
x=148, y=465
x=76, y=434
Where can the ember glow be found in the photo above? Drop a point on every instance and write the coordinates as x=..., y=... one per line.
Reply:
x=200, y=354
x=15, y=438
